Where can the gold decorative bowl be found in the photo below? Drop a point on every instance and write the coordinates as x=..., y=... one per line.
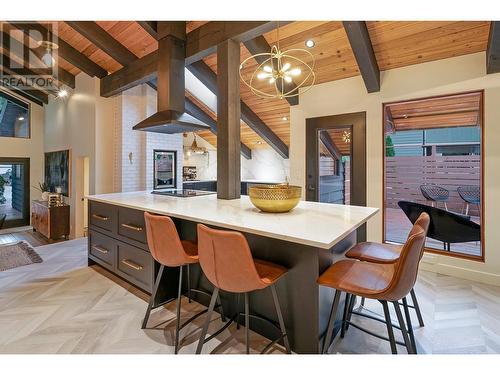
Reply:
x=275, y=198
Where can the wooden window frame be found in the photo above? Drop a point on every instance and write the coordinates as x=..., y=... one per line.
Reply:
x=482, y=257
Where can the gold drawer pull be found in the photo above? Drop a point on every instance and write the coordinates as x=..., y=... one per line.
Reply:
x=100, y=217
x=133, y=265
x=100, y=249
x=133, y=227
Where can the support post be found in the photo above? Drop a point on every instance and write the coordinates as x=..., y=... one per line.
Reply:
x=228, y=120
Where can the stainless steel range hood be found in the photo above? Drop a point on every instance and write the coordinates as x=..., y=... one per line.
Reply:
x=170, y=117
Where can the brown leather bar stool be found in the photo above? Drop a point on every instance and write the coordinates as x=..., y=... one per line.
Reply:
x=227, y=262
x=170, y=251
x=383, y=253
x=386, y=283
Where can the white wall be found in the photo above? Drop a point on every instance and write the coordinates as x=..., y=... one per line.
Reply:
x=82, y=123
x=28, y=148
x=459, y=74
x=133, y=159
x=265, y=164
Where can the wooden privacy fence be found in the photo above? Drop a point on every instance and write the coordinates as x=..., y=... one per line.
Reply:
x=405, y=174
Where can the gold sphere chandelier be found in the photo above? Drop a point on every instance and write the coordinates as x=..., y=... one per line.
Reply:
x=279, y=74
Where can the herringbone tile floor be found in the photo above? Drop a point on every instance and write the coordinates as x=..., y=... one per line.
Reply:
x=63, y=306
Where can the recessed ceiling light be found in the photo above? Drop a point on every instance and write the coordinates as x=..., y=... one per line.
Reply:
x=310, y=43
x=20, y=118
x=284, y=118
x=258, y=142
x=62, y=93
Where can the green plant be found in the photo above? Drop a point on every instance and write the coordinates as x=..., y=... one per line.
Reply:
x=2, y=184
x=389, y=146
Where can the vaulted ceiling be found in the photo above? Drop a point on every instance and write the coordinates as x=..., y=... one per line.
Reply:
x=395, y=44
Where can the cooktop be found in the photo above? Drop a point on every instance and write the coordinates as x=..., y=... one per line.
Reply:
x=183, y=193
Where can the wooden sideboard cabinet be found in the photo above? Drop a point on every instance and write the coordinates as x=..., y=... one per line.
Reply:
x=51, y=222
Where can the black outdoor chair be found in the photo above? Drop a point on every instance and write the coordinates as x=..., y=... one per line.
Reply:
x=470, y=195
x=435, y=193
x=2, y=220
x=445, y=226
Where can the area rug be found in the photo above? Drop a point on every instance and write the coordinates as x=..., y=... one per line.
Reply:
x=17, y=254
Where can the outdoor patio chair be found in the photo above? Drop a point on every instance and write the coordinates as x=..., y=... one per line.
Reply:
x=435, y=193
x=2, y=220
x=445, y=226
x=470, y=195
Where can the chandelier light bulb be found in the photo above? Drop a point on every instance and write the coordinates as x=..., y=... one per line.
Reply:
x=285, y=67
x=267, y=69
x=62, y=93
x=263, y=75
x=295, y=72
x=287, y=79
x=272, y=80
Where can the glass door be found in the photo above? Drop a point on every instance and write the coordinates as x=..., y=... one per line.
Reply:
x=14, y=192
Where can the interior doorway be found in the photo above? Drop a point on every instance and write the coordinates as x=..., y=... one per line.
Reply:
x=14, y=192
x=336, y=160
x=82, y=189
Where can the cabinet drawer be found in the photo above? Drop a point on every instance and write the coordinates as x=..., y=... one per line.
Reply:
x=131, y=224
x=103, y=248
x=103, y=216
x=135, y=265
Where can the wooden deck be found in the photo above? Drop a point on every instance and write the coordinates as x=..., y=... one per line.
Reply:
x=397, y=227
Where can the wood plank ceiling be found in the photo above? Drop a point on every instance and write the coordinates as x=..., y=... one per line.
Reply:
x=440, y=112
x=395, y=43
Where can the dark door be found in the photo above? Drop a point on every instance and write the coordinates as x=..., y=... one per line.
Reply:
x=14, y=192
x=336, y=160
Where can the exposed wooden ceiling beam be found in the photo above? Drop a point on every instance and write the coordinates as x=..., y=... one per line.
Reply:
x=66, y=51
x=150, y=27
x=361, y=45
x=329, y=145
x=207, y=76
x=194, y=110
x=105, y=42
x=200, y=43
x=33, y=94
x=11, y=45
x=203, y=40
x=259, y=45
x=493, y=51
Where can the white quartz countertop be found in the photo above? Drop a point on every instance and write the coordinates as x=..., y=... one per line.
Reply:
x=310, y=223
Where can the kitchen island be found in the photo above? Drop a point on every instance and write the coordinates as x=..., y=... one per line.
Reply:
x=306, y=241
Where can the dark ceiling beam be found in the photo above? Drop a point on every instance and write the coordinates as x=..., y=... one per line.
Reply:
x=194, y=110
x=150, y=27
x=32, y=94
x=11, y=45
x=329, y=145
x=361, y=46
x=200, y=43
x=493, y=50
x=200, y=114
x=67, y=52
x=102, y=40
x=207, y=76
x=259, y=45
x=203, y=41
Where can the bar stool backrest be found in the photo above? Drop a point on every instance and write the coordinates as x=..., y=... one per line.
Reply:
x=406, y=268
x=163, y=240
x=226, y=260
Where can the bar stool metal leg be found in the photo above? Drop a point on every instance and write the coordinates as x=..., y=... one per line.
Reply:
x=178, y=311
x=345, y=315
x=188, y=283
x=152, y=298
x=388, y=323
x=280, y=319
x=410, y=327
x=207, y=321
x=238, y=313
x=247, y=323
x=363, y=301
x=331, y=321
x=402, y=325
x=417, y=307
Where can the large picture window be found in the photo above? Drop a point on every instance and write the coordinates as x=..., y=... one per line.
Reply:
x=14, y=117
x=433, y=163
